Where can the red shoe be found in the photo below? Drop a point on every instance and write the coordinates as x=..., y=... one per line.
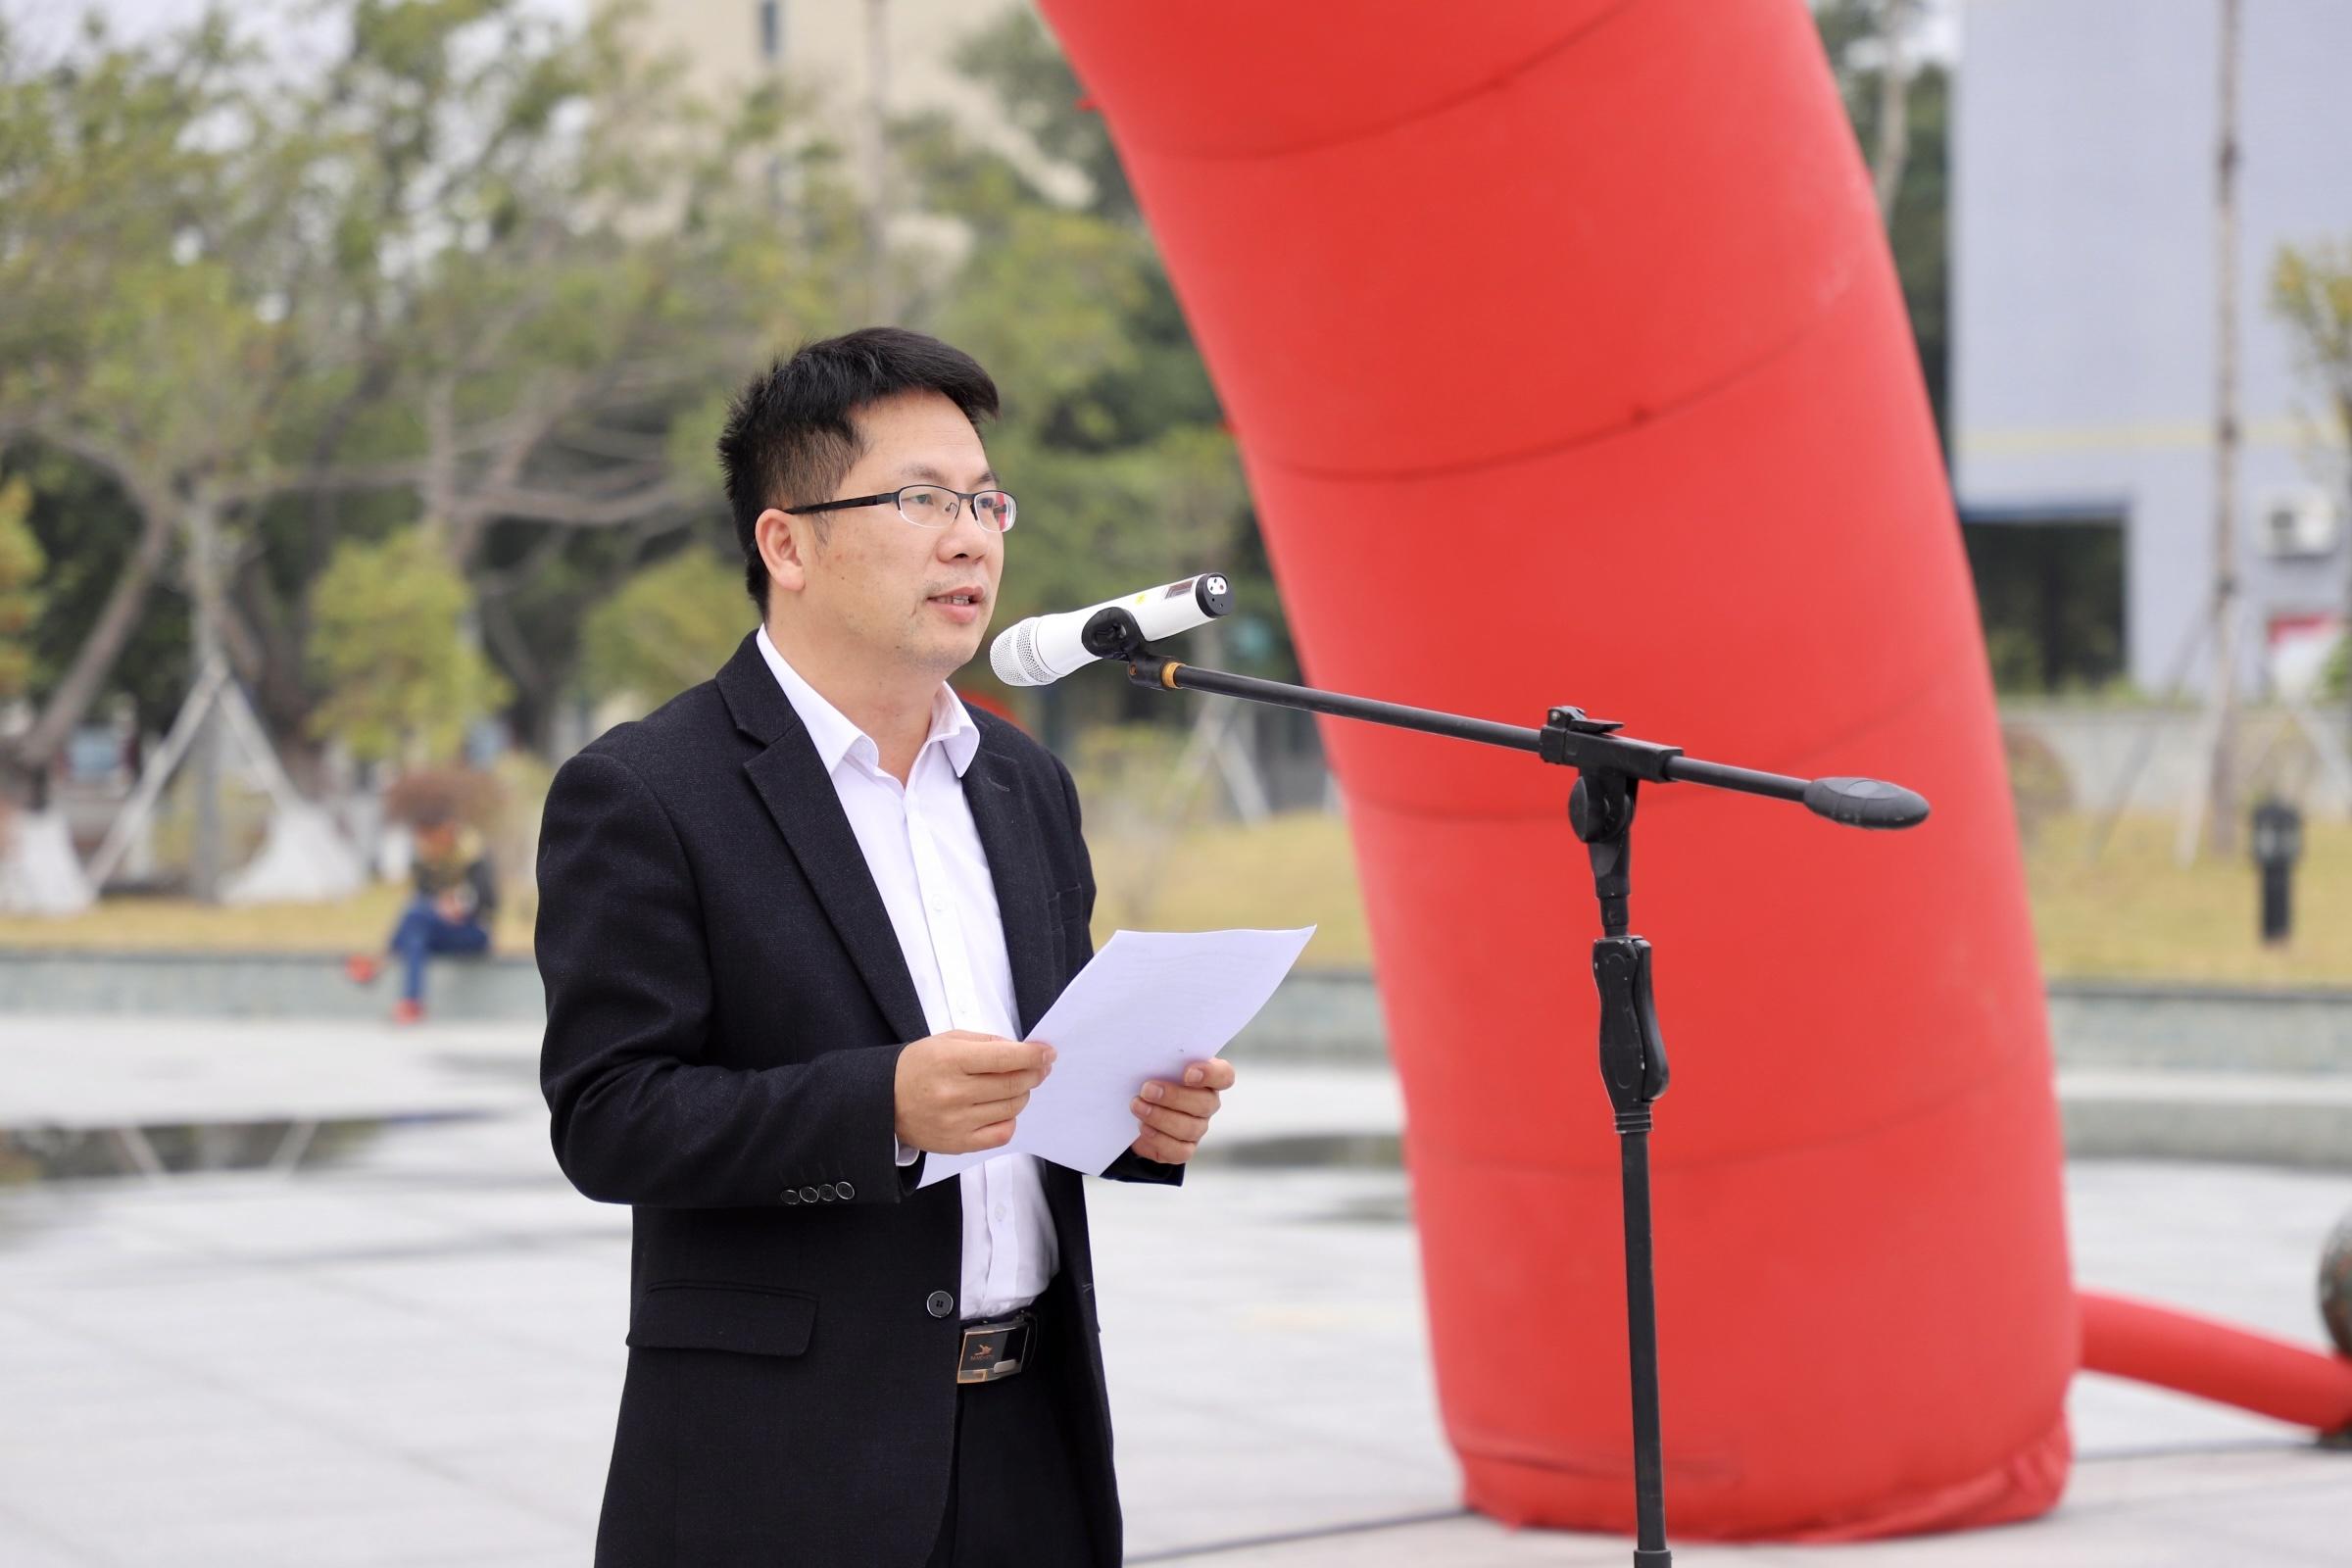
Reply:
x=407, y=1010
x=362, y=968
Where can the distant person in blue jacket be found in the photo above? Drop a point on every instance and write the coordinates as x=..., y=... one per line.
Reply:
x=456, y=898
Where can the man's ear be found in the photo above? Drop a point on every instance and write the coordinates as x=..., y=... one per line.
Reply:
x=782, y=549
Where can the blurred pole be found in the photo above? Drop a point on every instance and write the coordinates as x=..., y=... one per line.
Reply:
x=2222, y=786
x=203, y=589
x=881, y=301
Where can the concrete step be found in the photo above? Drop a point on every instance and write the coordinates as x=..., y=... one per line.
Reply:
x=1318, y=1015
x=2176, y=1114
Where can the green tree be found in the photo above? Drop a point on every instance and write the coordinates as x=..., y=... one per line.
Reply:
x=1019, y=60
x=1911, y=168
x=156, y=286
x=402, y=677
x=596, y=251
x=20, y=564
x=671, y=626
x=1111, y=436
x=485, y=268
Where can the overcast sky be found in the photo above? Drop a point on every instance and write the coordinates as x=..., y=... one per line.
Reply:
x=49, y=22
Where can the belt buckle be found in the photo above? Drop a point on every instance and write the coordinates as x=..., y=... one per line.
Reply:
x=993, y=1350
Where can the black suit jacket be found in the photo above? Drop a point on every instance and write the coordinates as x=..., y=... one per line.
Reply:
x=725, y=1006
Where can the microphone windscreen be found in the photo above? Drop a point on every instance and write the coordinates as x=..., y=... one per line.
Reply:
x=1014, y=657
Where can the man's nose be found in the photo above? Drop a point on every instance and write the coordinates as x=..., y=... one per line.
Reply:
x=965, y=535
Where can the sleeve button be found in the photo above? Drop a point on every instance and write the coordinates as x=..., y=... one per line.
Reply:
x=807, y=1195
x=844, y=1190
x=791, y=1197
x=825, y=1192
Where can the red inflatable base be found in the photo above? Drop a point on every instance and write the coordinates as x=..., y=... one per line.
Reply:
x=2022, y=1486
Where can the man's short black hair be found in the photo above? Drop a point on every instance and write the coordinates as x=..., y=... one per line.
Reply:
x=789, y=437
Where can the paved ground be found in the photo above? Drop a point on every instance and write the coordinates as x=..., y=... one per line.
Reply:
x=410, y=1356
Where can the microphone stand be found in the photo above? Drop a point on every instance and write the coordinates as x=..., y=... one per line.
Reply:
x=1610, y=770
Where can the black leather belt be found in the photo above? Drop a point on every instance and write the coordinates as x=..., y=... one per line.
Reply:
x=996, y=1350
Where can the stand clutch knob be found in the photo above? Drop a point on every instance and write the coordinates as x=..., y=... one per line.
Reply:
x=1865, y=803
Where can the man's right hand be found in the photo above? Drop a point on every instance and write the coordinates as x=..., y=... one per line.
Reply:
x=959, y=1092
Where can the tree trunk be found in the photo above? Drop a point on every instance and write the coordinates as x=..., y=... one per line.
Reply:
x=1894, y=121
x=95, y=659
x=205, y=760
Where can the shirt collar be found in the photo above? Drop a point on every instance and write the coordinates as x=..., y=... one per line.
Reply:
x=836, y=736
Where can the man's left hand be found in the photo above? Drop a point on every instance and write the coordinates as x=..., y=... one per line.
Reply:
x=1175, y=1116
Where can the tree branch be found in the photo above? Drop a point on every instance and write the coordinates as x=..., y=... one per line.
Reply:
x=150, y=498
x=568, y=510
x=95, y=659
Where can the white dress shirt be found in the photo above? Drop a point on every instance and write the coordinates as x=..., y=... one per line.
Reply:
x=925, y=855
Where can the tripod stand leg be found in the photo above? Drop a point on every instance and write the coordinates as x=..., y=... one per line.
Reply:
x=1641, y=1337
x=1633, y=1065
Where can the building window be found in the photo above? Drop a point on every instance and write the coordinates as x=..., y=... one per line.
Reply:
x=2050, y=588
x=771, y=30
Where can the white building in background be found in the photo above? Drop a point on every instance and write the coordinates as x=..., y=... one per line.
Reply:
x=828, y=48
x=2084, y=305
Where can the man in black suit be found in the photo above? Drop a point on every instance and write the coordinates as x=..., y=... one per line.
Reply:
x=793, y=927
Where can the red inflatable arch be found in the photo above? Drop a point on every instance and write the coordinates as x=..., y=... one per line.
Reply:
x=1568, y=323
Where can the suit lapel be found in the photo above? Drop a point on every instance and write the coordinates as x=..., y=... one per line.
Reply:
x=1008, y=831
x=792, y=784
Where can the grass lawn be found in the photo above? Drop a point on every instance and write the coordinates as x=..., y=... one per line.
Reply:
x=2136, y=915
x=2132, y=915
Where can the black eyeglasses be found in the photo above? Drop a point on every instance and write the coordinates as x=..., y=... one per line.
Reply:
x=929, y=505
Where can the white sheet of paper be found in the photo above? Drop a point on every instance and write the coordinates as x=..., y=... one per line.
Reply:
x=1149, y=1004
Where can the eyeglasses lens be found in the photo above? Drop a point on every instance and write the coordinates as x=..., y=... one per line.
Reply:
x=927, y=506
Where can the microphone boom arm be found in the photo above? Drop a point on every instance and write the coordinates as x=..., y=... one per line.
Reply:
x=1568, y=737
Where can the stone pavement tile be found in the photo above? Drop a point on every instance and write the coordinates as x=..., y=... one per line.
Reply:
x=558, y=1472
x=74, y=1228
x=257, y=1219
x=2233, y=1242
x=23, y=1546
x=389, y=1532
x=563, y=1311
x=1456, y=1541
x=1470, y=1542
x=437, y=1321
x=2117, y=1416
x=2160, y=1230
x=248, y=1496
x=216, y=1438
x=2274, y=1503
x=2310, y=1526
x=1188, y=1498
x=115, y=1072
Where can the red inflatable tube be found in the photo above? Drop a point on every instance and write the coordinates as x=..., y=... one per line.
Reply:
x=2175, y=1349
x=1567, y=362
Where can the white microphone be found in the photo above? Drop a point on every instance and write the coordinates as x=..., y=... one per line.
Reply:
x=1043, y=649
